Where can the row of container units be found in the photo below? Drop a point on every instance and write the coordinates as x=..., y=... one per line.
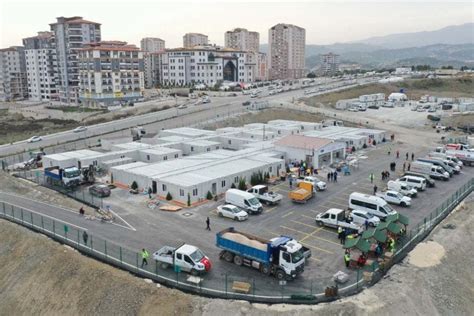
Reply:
x=344, y=104
x=372, y=97
x=188, y=132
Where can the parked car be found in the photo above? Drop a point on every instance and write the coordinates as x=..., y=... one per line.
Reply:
x=231, y=211
x=182, y=106
x=80, y=129
x=359, y=217
x=246, y=103
x=100, y=190
x=34, y=139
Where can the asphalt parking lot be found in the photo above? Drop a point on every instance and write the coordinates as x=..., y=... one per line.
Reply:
x=155, y=228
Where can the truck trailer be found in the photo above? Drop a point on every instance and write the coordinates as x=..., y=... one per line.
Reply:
x=282, y=257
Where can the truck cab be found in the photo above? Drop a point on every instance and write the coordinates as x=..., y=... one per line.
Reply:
x=291, y=258
x=70, y=176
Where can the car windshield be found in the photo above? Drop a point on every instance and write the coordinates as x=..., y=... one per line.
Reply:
x=387, y=209
x=297, y=256
x=253, y=201
x=72, y=174
x=197, y=255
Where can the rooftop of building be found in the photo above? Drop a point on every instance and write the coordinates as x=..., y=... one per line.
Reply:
x=78, y=154
x=303, y=142
x=189, y=132
x=196, y=34
x=110, y=46
x=73, y=20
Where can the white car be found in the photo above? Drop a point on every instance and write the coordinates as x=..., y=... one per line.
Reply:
x=182, y=106
x=80, y=129
x=231, y=211
x=34, y=139
x=359, y=217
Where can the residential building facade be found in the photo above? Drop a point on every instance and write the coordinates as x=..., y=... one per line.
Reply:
x=242, y=39
x=152, y=69
x=262, y=67
x=194, y=39
x=207, y=65
x=330, y=63
x=71, y=34
x=41, y=67
x=152, y=44
x=286, y=51
x=110, y=72
x=13, y=83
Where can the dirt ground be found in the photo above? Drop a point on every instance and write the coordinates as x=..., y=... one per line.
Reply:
x=40, y=276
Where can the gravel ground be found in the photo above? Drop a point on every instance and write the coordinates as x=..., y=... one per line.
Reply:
x=32, y=266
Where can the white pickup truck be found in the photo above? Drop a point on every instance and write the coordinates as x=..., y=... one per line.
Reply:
x=394, y=197
x=263, y=195
x=187, y=258
x=318, y=185
x=402, y=188
x=337, y=218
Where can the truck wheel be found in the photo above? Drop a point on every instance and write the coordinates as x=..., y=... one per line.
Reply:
x=238, y=260
x=280, y=275
x=236, y=218
x=371, y=224
x=194, y=272
x=228, y=257
x=164, y=265
x=220, y=214
x=265, y=269
x=403, y=204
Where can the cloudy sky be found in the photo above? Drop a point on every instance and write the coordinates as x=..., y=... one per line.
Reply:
x=325, y=22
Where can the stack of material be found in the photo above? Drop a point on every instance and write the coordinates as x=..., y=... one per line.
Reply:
x=170, y=208
x=340, y=277
x=244, y=240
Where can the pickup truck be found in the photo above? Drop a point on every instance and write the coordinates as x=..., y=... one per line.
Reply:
x=186, y=257
x=302, y=193
x=261, y=192
x=402, y=188
x=394, y=197
x=318, y=185
x=337, y=218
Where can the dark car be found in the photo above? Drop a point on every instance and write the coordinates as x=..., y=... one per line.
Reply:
x=100, y=190
x=246, y=103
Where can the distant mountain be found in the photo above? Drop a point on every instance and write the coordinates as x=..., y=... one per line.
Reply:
x=337, y=48
x=454, y=35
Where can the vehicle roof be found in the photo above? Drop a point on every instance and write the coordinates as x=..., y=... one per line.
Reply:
x=187, y=249
x=334, y=210
x=414, y=177
x=229, y=205
x=259, y=186
x=367, y=197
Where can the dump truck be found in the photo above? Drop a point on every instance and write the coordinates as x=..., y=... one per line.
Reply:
x=282, y=257
x=263, y=195
x=67, y=177
x=137, y=132
x=317, y=184
x=186, y=258
x=302, y=193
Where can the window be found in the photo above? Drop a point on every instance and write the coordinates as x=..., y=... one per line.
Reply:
x=181, y=192
x=192, y=148
x=286, y=257
x=165, y=158
x=236, y=179
x=176, y=155
x=188, y=260
x=195, y=192
x=229, y=142
x=163, y=187
x=147, y=157
x=179, y=256
x=270, y=169
x=208, y=149
x=223, y=183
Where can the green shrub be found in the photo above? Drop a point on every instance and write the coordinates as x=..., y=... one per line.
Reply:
x=242, y=184
x=169, y=197
x=209, y=195
x=134, y=185
x=189, y=199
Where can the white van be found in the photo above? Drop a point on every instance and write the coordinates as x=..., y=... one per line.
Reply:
x=244, y=200
x=414, y=182
x=435, y=172
x=371, y=204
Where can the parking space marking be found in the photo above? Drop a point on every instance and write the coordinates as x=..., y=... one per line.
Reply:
x=339, y=199
x=270, y=209
x=327, y=240
x=338, y=205
x=314, y=259
x=287, y=214
x=309, y=246
x=301, y=223
x=322, y=228
x=308, y=217
x=310, y=235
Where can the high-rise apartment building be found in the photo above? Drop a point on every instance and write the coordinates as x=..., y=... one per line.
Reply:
x=242, y=39
x=13, y=83
x=152, y=44
x=286, y=51
x=330, y=63
x=71, y=34
x=194, y=39
x=110, y=72
x=152, y=69
x=41, y=67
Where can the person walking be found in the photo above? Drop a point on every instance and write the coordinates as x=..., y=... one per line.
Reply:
x=149, y=193
x=335, y=176
x=407, y=156
x=145, y=256
x=81, y=211
x=366, y=223
x=291, y=183
x=409, y=166
x=347, y=259
x=329, y=176
x=85, y=237
x=371, y=177
x=383, y=175
x=412, y=156
x=343, y=236
x=375, y=189
x=208, y=224
x=339, y=234
x=398, y=154
x=404, y=166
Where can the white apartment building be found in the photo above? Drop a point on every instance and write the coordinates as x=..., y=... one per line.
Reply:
x=330, y=63
x=286, y=51
x=71, y=34
x=13, y=83
x=152, y=69
x=152, y=44
x=41, y=68
x=110, y=72
x=207, y=65
x=242, y=39
x=194, y=39
x=262, y=67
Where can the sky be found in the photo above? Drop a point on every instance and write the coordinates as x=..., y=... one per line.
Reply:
x=326, y=22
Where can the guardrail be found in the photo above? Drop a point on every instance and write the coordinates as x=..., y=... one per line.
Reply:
x=262, y=290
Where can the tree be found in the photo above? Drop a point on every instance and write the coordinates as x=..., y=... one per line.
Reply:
x=311, y=75
x=169, y=197
x=209, y=195
x=232, y=186
x=189, y=199
x=134, y=185
x=242, y=184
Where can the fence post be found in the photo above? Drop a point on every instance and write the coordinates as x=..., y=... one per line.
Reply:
x=54, y=228
x=226, y=285
x=31, y=219
x=4, y=211
x=105, y=247
x=137, y=261
x=92, y=246
x=42, y=223
x=78, y=239
x=120, y=252
x=21, y=214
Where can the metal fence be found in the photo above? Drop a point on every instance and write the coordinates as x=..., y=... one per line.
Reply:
x=261, y=289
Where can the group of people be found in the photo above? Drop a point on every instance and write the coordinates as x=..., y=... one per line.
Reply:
x=385, y=175
x=332, y=176
x=406, y=167
x=361, y=260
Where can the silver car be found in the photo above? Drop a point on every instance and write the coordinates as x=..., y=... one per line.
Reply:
x=359, y=217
